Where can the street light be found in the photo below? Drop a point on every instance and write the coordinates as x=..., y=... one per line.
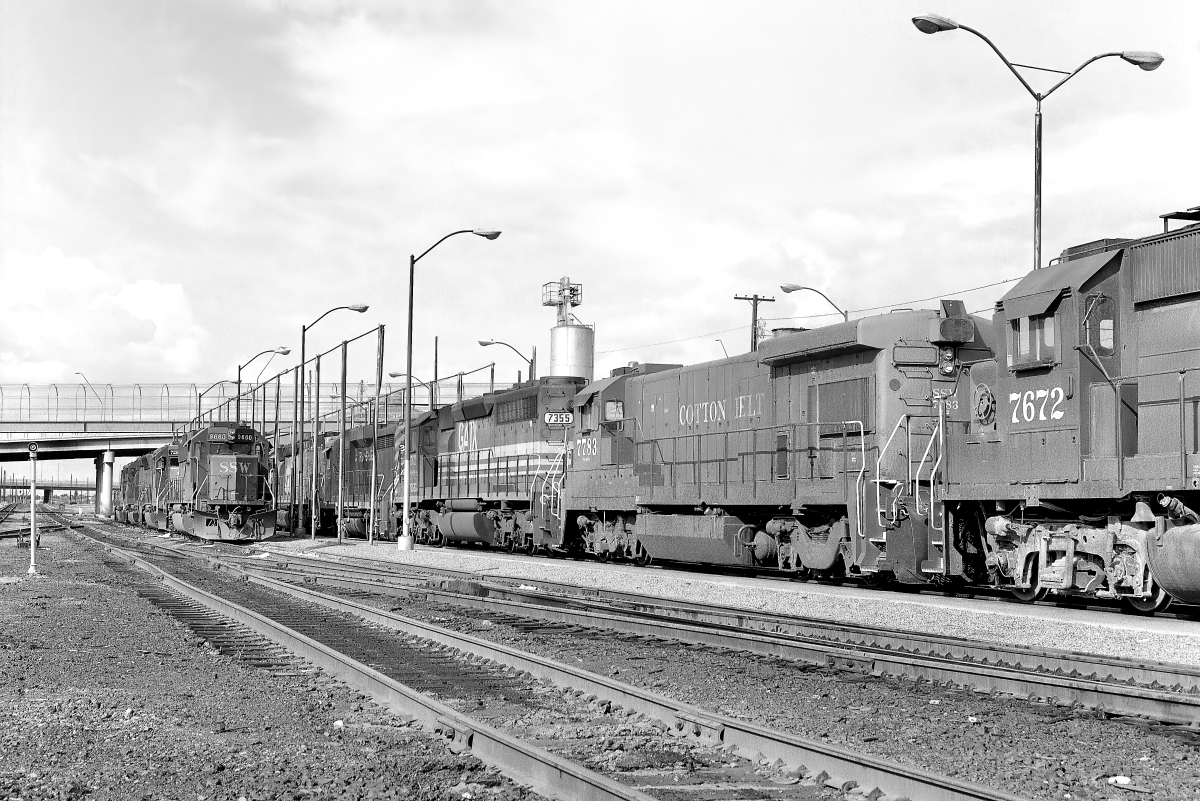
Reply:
x=1143, y=59
x=405, y=541
x=797, y=288
x=298, y=418
x=531, y=362
x=237, y=405
x=93, y=389
x=202, y=394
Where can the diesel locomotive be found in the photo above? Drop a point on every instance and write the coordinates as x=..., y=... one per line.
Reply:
x=219, y=490
x=1052, y=447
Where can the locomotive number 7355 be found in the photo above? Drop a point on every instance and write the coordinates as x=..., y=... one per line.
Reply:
x=1031, y=404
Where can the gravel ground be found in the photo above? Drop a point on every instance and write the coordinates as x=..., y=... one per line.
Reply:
x=1035, y=751
x=103, y=696
x=1047, y=626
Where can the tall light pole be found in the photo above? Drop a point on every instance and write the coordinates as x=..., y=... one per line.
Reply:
x=1146, y=60
x=797, y=288
x=205, y=392
x=237, y=415
x=298, y=416
x=531, y=362
x=405, y=541
x=93, y=389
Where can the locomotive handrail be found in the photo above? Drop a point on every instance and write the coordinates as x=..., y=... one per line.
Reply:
x=941, y=432
x=933, y=437
x=902, y=420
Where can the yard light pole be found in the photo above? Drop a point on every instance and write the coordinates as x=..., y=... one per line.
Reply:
x=93, y=389
x=237, y=404
x=298, y=415
x=797, y=288
x=405, y=541
x=199, y=396
x=531, y=362
x=1146, y=60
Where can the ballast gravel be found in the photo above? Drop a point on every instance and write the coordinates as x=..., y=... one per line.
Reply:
x=1040, y=626
x=1032, y=750
x=104, y=696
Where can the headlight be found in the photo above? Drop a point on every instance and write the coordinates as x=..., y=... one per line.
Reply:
x=946, y=361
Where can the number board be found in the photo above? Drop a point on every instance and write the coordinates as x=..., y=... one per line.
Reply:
x=1037, y=405
x=563, y=419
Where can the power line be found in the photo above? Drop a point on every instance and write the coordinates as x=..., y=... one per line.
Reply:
x=813, y=316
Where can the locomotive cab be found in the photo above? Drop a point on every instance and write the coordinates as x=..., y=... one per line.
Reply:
x=1085, y=427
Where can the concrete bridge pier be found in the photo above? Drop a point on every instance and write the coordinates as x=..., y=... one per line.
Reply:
x=104, y=484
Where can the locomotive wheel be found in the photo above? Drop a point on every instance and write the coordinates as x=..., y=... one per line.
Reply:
x=510, y=545
x=1158, y=601
x=1029, y=595
x=642, y=559
x=531, y=548
x=603, y=556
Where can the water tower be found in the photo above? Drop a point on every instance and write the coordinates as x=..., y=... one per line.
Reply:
x=572, y=344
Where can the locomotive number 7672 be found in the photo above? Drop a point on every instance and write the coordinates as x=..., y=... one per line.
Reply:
x=1031, y=404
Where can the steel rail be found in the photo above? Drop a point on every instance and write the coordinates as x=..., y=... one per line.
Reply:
x=830, y=764
x=546, y=773
x=1066, y=683
x=1146, y=673
x=842, y=768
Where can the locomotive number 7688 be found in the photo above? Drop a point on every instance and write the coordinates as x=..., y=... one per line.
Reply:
x=1031, y=404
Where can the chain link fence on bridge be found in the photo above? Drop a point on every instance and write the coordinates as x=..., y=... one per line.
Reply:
x=70, y=403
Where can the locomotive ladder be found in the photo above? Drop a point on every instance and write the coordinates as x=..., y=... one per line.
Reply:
x=550, y=491
x=935, y=508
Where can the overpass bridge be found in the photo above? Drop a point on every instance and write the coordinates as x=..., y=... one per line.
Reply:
x=105, y=421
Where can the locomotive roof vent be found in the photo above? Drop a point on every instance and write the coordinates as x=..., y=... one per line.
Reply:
x=1089, y=249
x=787, y=332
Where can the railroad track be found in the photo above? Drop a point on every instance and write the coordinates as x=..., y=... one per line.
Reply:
x=348, y=640
x=1164, y=692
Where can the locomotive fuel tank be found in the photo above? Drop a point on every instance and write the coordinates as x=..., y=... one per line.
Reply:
x=461, y=527
x=1173, y=549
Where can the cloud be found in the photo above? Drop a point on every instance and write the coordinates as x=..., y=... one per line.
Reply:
x=60, y=314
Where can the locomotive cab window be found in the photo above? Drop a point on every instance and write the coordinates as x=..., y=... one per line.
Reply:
x=1032, y=341
x=1099, y=324
x=614, y=410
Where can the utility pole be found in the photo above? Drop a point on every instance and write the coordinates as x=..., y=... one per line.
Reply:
x=754, y=301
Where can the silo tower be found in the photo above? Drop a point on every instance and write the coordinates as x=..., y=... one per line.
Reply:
x=572, y=344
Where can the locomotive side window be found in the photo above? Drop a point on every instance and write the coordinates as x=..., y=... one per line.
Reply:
x=1032, y=340
x=614, y=410
x=1099, y=324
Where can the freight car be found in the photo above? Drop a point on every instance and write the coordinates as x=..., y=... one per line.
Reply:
x=1052, y=448
x=485, y=468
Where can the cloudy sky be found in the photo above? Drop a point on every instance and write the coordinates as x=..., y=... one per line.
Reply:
x=183, y=184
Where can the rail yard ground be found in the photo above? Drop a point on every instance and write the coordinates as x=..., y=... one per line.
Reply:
x=1159, y=638
x=104, y=695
